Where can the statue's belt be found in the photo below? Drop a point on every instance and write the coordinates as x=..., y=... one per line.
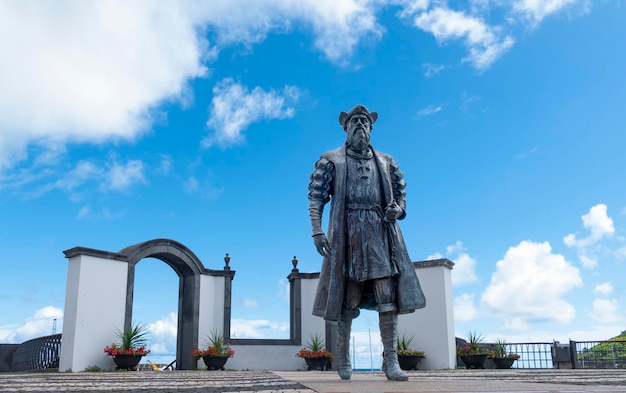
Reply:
x=365, y=206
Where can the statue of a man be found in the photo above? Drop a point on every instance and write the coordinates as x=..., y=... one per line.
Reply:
x=366, y=264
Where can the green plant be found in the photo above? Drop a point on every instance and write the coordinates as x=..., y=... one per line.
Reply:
x=404, y=346
x=500, y=351
x=315, y=348
x=92, y=369
x=133, y=341
x=472, y=346
x=216, y=347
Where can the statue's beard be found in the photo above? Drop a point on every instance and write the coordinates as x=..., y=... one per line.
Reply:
x=358, y=141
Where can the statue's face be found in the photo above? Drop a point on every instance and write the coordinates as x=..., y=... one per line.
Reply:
x=359, y=128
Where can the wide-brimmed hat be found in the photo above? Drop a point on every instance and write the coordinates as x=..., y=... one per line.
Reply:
x=344, y=117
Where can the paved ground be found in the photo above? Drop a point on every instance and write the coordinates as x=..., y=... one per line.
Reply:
x=532, y=381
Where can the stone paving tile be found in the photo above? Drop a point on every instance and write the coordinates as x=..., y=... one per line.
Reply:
x=146, y=381
x=519, y=381
x=514, y=380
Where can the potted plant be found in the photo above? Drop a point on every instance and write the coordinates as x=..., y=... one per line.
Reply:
x=501, y=357
x=472, y=353
x=128, y=354
x=216, y=354
x=315, y=354
x=407, y=357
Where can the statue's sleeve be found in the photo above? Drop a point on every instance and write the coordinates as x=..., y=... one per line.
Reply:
x=398, y=185
x=320, y=190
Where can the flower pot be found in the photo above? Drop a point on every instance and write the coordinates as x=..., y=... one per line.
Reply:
x=409, y=362
x=215, y=362
x=127, y=362
x=474, y=361
x=503, y=362
x=318, y=363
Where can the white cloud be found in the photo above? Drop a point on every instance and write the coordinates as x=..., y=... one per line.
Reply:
x=465, y=308
x=163, y=335
x=597, y=222
x=537, y=10
x=436, y=255
x=485, y=43
x=467, y=100
x=95, y=71
x=429, y=110
x=83, y=212
x=111, y=176
x=234, y=108
x=432, y=70
x=605, y=311
x=604, y=289
x=258, y=328
x=529, y=284
x=338, y=25
x=588, y=261
x=464, y=271
x=40, y=324
x=110, y=80
x=600, y=226
x=250, y=303
x=284, y=290
x=190, y=185
x=121, y=177
x=89, y=71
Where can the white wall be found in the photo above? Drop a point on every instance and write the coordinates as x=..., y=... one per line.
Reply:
x=433, y=325
x=95, y=305
x=311, y=325
x=264, y=357
x=95, y=300
x=211, y=314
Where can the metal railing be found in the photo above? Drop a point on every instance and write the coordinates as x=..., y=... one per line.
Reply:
x=43, y=353
x=38, y=354
x=532, y=355
x=598, y=354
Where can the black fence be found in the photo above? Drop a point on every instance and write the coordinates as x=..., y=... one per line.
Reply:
x=574, y=354
x=38, y=354
x=598, y=354
x=532, y=355
x=43, y=353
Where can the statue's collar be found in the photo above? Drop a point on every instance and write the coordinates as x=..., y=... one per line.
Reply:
x=361, y=156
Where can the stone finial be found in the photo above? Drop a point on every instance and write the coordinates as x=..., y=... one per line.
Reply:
x=294, y=262
x=226, y=261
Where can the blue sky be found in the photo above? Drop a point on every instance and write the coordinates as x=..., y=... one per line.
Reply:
x=199, y=122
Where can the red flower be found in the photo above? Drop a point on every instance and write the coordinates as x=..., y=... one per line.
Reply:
x=116, y=349
x=307, y=353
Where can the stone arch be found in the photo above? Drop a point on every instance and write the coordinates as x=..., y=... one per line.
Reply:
x=188, y=267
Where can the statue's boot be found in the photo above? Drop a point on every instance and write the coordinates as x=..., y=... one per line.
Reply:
x=344, y=367
x=388, y=322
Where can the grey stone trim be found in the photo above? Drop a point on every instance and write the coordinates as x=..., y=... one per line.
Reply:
x=228, y=289
x=307, y=276
x=434, y=263
x=92, y=252
x=262, y=341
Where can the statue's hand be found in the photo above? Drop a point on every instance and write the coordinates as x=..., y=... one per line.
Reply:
x=321, y=243
x=392, y=212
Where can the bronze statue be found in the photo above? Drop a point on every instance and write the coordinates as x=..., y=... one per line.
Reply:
x=366, y=264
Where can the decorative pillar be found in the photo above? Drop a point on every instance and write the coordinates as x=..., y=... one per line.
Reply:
x=95, y=300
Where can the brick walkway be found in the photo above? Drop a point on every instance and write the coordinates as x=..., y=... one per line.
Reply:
x=545, y=381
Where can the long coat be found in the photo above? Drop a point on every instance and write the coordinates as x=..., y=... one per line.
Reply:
x=331, y=287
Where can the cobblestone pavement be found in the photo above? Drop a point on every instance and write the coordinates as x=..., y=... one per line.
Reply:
x=149, y=381
x=515, y=380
